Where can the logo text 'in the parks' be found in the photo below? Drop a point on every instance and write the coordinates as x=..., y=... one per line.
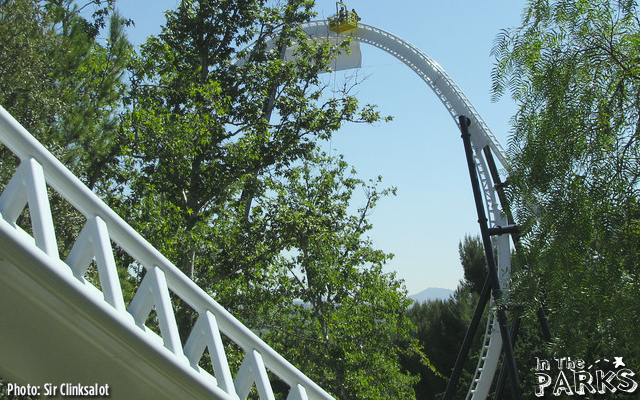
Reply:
x=564, y=376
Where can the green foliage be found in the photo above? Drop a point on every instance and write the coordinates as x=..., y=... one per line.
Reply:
x=61, y=84
x=91, y=89
x=27, y=89
x=442, y=325
x=199, y=138
x=573, y=69
x=65, y=88
x=225, y=178
x=473, y=262
x=349, y=314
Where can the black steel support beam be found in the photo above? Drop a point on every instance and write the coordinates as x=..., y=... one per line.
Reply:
x=463, y=354
x=499, y=185
x=509, y=357
x=501, y=230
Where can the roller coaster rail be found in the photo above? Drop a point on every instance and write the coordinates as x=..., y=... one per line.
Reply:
x=482, y=139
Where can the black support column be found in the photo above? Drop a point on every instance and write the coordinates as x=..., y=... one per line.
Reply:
x=492, y=279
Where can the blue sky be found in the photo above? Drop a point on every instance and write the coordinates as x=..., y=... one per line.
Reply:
x=420, y=152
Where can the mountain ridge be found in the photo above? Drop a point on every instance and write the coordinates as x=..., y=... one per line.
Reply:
x=431, y=293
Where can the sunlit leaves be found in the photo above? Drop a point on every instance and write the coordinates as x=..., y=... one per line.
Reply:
x=225, y=178
x=572, y=67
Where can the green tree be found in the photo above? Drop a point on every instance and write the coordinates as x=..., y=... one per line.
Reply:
x=474, y=263
x=225, y=179
x=442, y=325
x=198, y=128
x=27, y=88
x=60, y=83
x=573, y=69
x=65, y=88
x=349, y=315
x=89, y=74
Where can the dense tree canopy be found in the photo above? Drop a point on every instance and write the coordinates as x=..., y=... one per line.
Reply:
x=226, y=179
x=441, y=325
x=349, y=315
x=61, y=83
x=200, y=137
x=65, y=87
x=575, y=148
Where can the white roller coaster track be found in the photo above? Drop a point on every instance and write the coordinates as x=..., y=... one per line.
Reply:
x=456, y=104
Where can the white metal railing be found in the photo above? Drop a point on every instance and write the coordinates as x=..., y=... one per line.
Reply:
x=28, y=186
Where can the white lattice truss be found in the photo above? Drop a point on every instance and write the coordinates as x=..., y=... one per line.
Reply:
x=38, y=171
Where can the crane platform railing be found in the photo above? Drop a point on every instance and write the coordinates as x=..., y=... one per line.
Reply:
x=39, y=170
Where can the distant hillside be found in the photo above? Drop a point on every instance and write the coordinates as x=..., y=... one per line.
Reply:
x=432, y=293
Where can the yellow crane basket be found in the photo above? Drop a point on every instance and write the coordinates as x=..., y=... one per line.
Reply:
x=344, y=20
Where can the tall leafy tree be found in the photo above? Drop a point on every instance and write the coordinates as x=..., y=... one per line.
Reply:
x=573, y=69
x=348, y=327
x=198, y=129
x=225, y=178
